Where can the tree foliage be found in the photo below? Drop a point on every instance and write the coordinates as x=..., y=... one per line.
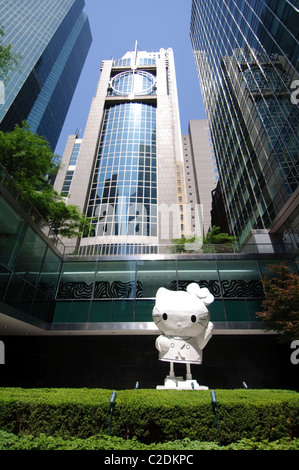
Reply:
x=181, y=244
x=215, y=236
x=281, y=304
x=29, y=159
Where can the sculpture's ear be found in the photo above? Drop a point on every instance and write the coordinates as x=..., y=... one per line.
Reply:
x=161, y=292
x=202, y=293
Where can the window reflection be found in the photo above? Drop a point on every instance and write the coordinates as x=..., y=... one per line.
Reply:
x=12, y=229
x=31, y=256
x=154, y=274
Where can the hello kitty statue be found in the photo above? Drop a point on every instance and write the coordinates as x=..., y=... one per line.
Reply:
x=184, y=323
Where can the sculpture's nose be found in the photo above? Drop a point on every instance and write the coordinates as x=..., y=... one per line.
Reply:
x=179, y=324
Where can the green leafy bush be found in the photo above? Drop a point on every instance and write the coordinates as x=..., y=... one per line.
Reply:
x=9, y=441
x=148, y=417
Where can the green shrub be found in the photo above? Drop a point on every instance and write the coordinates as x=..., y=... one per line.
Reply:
x=150, y=416
x=9, y=441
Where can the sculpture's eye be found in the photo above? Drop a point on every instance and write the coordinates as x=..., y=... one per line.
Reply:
x=164, y=316
x=193, y=318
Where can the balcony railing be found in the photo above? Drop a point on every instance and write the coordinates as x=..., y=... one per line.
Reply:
x=130, y=249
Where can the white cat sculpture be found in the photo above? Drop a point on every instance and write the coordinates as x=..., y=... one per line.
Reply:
x=184, y=322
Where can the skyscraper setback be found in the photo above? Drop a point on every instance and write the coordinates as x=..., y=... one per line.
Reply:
x=247, y=59
x=127, y=172
x=51, y=39
x=200, y=169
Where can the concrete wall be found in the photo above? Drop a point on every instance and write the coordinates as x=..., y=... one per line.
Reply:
x=201, y=177
x=169, y=146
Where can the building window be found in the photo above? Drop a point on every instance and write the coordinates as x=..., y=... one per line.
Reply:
x=75, y=153
x=132, y=82
x=67, y=183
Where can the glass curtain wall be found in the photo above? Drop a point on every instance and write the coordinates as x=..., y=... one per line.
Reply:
x=247, y=55
x=123, y=197
x=52, y=39
x=29, y=268
x=125, y=291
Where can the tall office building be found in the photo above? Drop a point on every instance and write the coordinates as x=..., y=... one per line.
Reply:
x=51, y=39
x=200, y=170
x=123, y=173
x=247, y=56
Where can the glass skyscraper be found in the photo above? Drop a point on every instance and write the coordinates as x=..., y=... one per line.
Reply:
x=125, y=174
x=247, y=56
x=52, y=39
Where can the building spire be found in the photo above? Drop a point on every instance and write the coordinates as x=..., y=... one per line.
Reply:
x=136, y=53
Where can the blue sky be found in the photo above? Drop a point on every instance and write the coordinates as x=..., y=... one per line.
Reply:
x=116, y=26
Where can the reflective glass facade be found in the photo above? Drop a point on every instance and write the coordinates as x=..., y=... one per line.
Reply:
x=247, y=56
x=135, y=82
x=53, y=38
x=124, y=291
x=29, y=268
x=128, y=61
x=123, y=196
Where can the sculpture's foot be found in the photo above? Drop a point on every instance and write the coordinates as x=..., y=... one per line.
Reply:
x=177, y=383
x=190, y=385
x=170, y=383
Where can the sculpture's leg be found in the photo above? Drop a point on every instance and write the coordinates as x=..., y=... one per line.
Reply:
x=188, y=372
x=171, y=372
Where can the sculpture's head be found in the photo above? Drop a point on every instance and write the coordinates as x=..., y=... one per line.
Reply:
x=182, y=314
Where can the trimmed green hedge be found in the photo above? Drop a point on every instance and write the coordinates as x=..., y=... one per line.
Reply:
x=151, y=416
x=9, y=441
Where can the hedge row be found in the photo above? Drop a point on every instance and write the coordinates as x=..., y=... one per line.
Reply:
x=9, y=441
x=151, y=416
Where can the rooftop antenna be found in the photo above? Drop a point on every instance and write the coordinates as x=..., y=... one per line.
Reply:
x=136, y=52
